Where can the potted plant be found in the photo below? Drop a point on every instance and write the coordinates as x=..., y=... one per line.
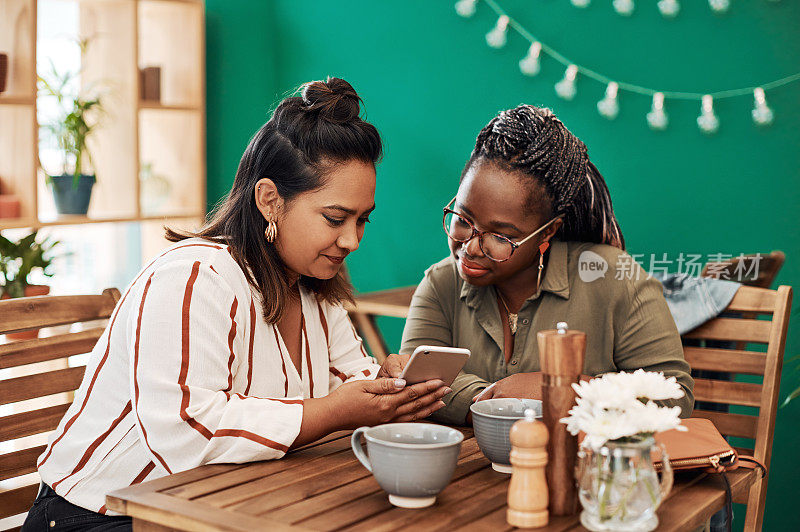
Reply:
x=79, y=118
x=17, y=261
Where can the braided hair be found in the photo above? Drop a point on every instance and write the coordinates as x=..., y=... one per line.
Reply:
x=533, y=142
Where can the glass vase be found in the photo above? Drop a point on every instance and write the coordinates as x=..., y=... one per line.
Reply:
x=618, y=485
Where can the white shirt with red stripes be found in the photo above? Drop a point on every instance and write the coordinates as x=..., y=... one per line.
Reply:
x=189, y=373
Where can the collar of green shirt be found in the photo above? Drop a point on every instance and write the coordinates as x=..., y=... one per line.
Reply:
x=555, y=281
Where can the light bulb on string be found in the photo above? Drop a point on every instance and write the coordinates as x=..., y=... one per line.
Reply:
x=707, y=121
x=581, y=3
x=529, y=65
x=566, y=87
x=719, y=6
x=466, y=8
x=624, y=7
x=669, y=8
x=608, y=106
x=762, y=114
x=657, y=118
x=496, y=38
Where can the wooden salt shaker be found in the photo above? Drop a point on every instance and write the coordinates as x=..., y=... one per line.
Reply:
x=561, y=355
x=527, y=492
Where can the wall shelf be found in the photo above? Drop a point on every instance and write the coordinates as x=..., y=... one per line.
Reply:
x=16, y=101
x=153, y=106
x=168, y=134
x=19, y=223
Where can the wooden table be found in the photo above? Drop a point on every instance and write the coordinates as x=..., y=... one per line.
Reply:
x=324, y=487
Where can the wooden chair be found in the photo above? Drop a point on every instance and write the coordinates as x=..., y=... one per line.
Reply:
x=743, y=331
x=768, y=267
x=33, y=395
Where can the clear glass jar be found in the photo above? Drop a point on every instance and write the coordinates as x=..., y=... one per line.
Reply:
x=618, y=485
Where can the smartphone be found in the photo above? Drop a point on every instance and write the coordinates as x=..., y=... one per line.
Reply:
x=430, y=362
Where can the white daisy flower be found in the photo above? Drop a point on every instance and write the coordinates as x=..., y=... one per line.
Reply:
x=620, y=405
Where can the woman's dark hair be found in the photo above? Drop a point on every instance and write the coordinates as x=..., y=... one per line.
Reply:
x=305, y=138
x=533, y=142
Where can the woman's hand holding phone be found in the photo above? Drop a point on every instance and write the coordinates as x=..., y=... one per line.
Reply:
x=369, y=402
x=385, y=400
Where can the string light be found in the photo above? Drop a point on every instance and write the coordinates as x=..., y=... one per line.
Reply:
x=762, y=115
x=566, y=87
x=529, y=65
x=669, y=8
x=624, y=7
x=719, y=6
x=466, y=8
x=707, y=121
x=496, y=38
x=608, y=106
x=657, y=118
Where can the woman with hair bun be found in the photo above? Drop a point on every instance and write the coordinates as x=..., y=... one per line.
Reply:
x=534, y=241
x=233, y=345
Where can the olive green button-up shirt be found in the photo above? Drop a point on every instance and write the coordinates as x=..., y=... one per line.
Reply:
x=595, y=288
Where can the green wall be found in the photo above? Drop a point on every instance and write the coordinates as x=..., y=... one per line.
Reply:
x=430, y=83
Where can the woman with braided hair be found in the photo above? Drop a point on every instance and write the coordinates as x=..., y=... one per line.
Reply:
x=534, y=241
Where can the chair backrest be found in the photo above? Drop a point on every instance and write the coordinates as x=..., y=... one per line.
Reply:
x=37, y=381
x=740, y=328
x=751, y=270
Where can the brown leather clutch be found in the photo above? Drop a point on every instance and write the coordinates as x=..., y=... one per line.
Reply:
x=699, y=447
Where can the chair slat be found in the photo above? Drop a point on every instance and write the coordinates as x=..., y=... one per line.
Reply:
x=50, y=348
x=733, y=329
x=735, y=361
x=47, y=311
x=17, y=501
x=737, y=425
x=40, y=385
x=751, y=299
x=729, y=393
x=31, y=422
x=19, y=463
x=743, y=451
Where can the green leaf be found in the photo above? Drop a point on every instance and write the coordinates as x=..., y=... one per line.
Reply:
x=790, y=397
x=793, y=359
x=19, y=259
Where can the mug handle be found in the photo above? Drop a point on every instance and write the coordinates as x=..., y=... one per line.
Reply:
x=358, y=450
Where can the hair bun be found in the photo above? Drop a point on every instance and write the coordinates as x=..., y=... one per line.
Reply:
x=334, y=99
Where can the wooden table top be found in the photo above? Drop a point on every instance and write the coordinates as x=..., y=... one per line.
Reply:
x=323, y=487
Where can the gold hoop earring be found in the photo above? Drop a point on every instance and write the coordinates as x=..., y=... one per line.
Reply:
x=271, y=232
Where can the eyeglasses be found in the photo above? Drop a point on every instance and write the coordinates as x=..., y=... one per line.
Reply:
x=495, y=246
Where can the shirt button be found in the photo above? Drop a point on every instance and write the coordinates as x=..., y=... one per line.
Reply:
x=52, y=524
x=525, y=321
x=513, y=362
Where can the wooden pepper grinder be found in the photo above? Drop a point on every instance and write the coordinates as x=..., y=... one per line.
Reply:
x=561, y=354
x=527, y=492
